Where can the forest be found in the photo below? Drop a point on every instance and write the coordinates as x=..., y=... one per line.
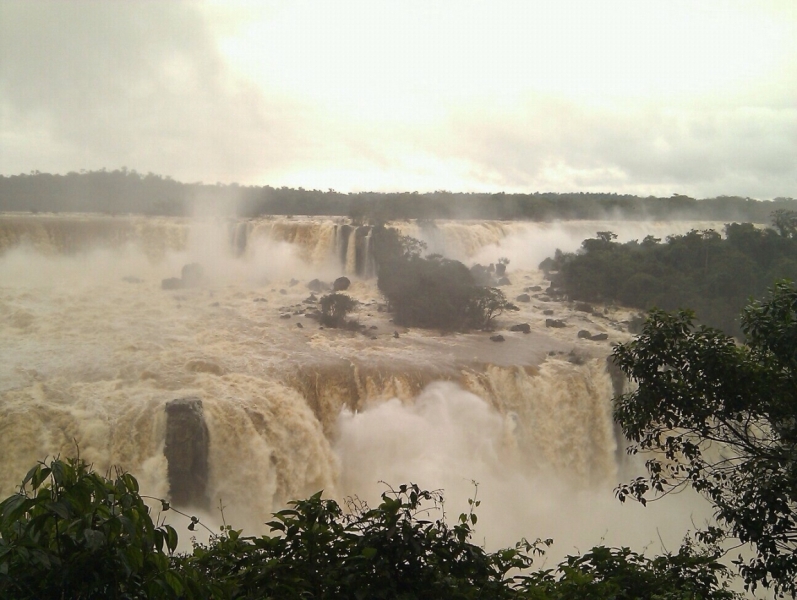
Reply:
x=713, y=275
x=126, y=191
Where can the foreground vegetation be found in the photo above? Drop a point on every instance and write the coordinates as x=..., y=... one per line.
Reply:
x=701, y=270
x=71, y=533
x=721, y=417
x=126, y=191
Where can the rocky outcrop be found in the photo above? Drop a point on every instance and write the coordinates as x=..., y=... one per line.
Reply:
x=341, y=284
x=556, y=323
x=524, y=327
x=191, y=275
x=523, y=298
x=186, y=451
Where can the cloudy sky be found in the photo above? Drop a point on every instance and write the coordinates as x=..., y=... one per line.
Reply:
x=635, y=96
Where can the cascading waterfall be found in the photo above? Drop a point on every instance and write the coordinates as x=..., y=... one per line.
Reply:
x=94, y=351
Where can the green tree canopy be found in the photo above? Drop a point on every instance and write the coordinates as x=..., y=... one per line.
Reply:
x=721, y=417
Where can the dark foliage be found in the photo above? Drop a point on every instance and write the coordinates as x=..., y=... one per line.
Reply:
x=126, y=191
x=722, y=418
x=432, y=292
x=700, y=270
x=335, y=307
x=75, y=534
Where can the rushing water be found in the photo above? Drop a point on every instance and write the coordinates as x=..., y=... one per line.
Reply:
x=93, y=349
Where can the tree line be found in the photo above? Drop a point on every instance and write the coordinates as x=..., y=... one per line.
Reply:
x=127, y=191
x=701, y=270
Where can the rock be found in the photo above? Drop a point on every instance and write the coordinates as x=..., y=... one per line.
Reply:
x=600, y=337
x=496, y=338
x=524, y=327
x=311, y=299
x=293, y=282
x=523, y=298
x=583, y=307
x=584, y=335
x=504, y=281
x=510, y=306
x=547, y=311
x=556, y=323
x=172, y=283
x=192, y=274
x=260, y=300
x=373, y=327
x=283, y=292
x=299, y=325
x=533, y=288
x=316, y=285
x=396, y=334
x=186, y=451
x=285, y=316
x=341, y=284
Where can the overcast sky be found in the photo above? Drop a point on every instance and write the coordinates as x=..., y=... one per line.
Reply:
x=635, y=96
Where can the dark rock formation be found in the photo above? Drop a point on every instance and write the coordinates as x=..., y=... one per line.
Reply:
x=316, y=285
x=504, y=281
x=583, y=307
x=548, y=311
x=172, y=283
x=341, y=284
x=497, y=338
x=600, y=337
x=584, y=335
x=523, y=298
x=533, y=288
x=524, y=327
x=554, y=323
x=186, y=451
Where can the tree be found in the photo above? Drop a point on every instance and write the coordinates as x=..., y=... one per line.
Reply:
x=335, y=307
x=721, y=417
x=71, y=533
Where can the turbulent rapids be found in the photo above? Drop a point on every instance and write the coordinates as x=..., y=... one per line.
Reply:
x=94, y=350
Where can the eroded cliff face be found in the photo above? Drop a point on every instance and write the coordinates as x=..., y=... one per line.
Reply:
x=186, y=450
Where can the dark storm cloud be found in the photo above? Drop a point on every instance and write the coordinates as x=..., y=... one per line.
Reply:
x=129, y=83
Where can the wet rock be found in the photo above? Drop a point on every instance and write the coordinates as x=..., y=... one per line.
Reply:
x=583, y=307
x=186, y=451
x=497, y=338
x=524, y=327
x=504, y=281
x=299, y=325
x=600, y=337
x=396, y=334
x=533, y=288
x=556, y=323
x=547, y=311
x=316, y=285
x=260, y=300
x=285, y=316
x=341, y=284
x=293, y=282
x=311, y=299
x=373, y=327
x=584, y=335
x=172, y=283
